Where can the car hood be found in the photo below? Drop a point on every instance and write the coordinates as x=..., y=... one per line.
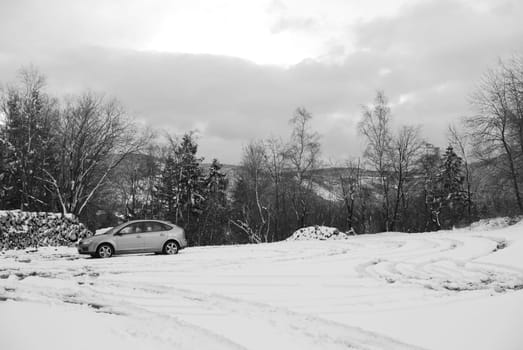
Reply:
x=91, y=239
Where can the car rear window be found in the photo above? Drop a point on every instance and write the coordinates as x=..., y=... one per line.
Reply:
x=166, y=227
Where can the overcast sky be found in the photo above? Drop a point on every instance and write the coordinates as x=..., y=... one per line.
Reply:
x=236, y=70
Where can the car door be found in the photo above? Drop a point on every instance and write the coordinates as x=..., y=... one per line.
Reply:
x=154, y=236
x=130, y=239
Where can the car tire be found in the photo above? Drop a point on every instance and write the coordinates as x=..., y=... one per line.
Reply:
x=104, y=251
x=170, y=248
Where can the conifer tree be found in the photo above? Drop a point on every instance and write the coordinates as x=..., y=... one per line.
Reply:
x=446, y=195
x=452, y=176
x=166, y=188
x=27, y=143
x=212, y=224
x=182, y=186
x=216, y=181
x=189, y=192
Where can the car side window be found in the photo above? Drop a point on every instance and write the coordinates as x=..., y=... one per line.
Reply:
x=152, y=226
x=133, y=228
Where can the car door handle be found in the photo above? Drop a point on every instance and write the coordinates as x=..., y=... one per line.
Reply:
x=138, y=236
x=162, y=234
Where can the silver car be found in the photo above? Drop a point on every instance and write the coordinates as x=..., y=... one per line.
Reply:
x=139, y=236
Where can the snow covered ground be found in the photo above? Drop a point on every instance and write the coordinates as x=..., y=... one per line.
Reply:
x=458, y=289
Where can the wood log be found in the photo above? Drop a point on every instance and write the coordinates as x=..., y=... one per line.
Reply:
x=20, y=230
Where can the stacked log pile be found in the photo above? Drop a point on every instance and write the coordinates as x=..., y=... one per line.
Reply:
x=20, y=230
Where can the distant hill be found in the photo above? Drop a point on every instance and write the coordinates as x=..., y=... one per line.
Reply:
x=228, y=169
x=326, y=180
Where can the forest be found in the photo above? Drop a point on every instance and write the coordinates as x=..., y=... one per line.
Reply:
x=85, y=156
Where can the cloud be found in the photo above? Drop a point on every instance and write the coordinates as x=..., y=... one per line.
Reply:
x=293, y=23
x=27, y=24
x=232, y=100
x=427, y=59
x=276, y=7
x=436, y=52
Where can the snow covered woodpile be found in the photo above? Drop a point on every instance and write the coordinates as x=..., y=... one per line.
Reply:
x=318, y=233
x=20, y=229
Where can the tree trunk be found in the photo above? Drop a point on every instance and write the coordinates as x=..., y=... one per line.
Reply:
x=397, y=202
x=514, y=175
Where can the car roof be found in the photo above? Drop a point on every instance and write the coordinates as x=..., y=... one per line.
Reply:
x=149, y=220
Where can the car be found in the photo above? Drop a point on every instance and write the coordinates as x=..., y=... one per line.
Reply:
x=138, y=236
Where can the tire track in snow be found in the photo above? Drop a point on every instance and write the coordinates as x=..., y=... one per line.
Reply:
x=232, y=322
x=216, y=316
x=157, y=326
x=278, y=324
x=435, y=268
x=437, y=262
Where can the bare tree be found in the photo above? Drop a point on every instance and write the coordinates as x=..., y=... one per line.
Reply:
x=350, y=190
x=133, y=182
x=94, y=137
x=303, y=154
x=513, y=75
x=495, y=127
x=276, y=161
x=405, y=150
x=255, y=214
x=375, y=125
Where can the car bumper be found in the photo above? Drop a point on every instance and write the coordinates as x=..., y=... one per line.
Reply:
x=182, y=242
x=85, y=249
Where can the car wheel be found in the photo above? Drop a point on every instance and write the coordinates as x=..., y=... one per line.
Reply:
x=104, y=251
x=170, y=248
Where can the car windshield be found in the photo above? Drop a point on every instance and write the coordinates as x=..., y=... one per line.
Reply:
x=114, y=229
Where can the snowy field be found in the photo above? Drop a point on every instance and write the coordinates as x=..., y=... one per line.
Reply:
x=447, y=290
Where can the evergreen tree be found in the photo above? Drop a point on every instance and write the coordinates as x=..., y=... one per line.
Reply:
x=446, y=197
x=28, y=144
x=216, y=181
x=6, y=172
x=213, y=223
x=188, y=172
x=453, y=179
x=166, y=191
x=452, y=176
x=182, y=186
